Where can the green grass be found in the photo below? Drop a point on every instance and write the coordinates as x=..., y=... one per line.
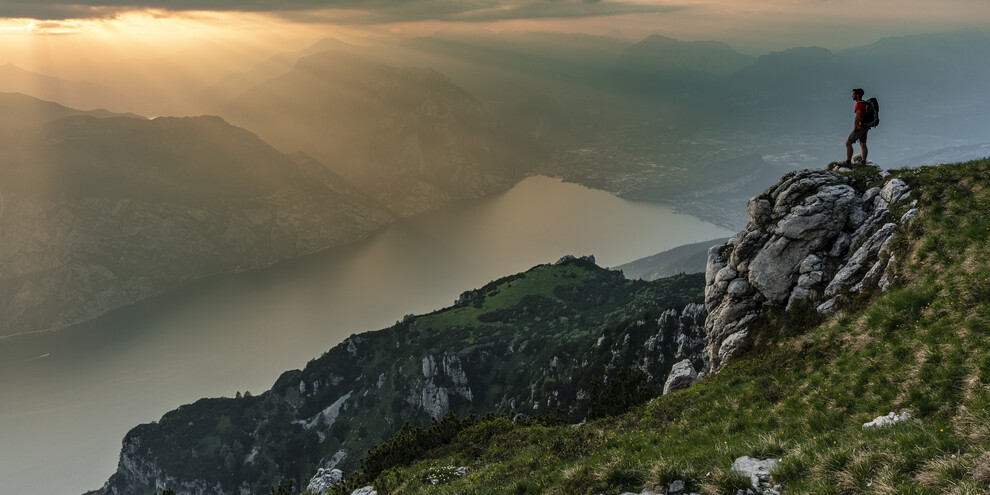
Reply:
x=802, y=394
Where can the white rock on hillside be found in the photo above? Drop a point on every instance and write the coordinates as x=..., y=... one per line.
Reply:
x=758, y=471
x=681, y=376
x=324, y=480
x=890, y=419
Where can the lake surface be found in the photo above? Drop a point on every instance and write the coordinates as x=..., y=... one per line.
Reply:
x=68, y=398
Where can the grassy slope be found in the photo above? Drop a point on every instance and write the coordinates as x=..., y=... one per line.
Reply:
x=802, y=393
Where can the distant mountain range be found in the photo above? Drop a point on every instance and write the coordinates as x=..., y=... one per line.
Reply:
x=78, y=94
x=96, y=213
x=689, y=258
x=237, y=83
x=20, y=111
x=408, y=136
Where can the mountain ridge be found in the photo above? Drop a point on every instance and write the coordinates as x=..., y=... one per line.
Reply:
x=143, y=205
x=641, y=341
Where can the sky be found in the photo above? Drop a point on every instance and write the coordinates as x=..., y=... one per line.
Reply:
x=749, y=25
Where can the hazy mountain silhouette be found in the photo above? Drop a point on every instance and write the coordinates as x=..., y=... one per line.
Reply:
x=77, y=94
x=665, y=57
x=239, y=82
x=99, y=213
x=19, y=111
x=408, y=136
x=689, y=258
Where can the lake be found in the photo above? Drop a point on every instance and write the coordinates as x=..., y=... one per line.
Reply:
x=69, y=397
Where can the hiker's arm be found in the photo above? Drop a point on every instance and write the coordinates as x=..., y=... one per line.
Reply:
x=858, y=119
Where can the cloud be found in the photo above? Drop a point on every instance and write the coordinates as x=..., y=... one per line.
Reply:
x=343, y=11
x=51, y=11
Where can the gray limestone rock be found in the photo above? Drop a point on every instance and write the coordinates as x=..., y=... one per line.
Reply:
x=827, y=307
x=894, y=191
x=756, y=469
x=739, y=288
x=797, y=243
x=811, y=264
x=857, y=265
x=682, y=375
x=324, y=480
x=890, y=419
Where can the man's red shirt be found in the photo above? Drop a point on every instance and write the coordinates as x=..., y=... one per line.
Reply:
x=860, y=106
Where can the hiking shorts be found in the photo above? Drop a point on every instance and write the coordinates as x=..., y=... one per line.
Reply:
x=858, y=135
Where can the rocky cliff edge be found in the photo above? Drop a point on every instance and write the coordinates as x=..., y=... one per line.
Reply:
x=814, y=238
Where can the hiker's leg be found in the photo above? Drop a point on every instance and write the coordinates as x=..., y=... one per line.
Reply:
x=862, y=144
x=849, y=151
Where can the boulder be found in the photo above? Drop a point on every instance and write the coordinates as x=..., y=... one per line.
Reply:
x=681, y=376
x=758, y=471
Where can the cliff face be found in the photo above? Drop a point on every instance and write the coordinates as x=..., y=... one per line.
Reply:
x=813, y=238
x=99, y=213
x=529, y=343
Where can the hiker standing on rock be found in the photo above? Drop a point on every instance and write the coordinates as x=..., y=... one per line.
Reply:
x=859, y=127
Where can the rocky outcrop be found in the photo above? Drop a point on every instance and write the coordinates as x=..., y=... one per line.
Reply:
x=433, y=391
x=811, y=238
x=680, y=337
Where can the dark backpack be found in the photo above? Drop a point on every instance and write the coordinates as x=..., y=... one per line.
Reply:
x=871, y=114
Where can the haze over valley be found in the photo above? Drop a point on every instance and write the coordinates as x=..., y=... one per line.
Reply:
x=194, y=200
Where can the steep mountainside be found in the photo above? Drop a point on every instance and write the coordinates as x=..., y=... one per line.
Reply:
x=887, y=391
x=98, y=213
x=408, y=136
x=529, y=343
